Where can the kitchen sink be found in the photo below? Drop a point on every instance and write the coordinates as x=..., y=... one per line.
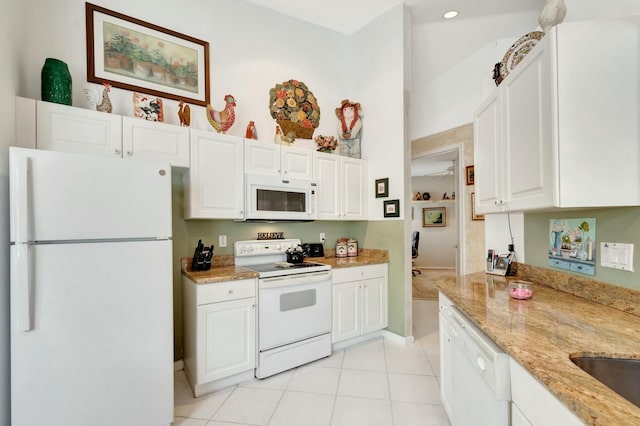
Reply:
x=621, y=375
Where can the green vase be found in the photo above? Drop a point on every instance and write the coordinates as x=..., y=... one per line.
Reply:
x=56, y=82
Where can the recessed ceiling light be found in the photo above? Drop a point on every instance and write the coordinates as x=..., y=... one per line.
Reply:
x=450, y=14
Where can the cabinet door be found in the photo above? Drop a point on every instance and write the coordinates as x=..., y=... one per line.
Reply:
x=374, y=304
x=296, y=162
x=346, y=311
x=488, y=156
x=262, y=157
x=528, y=141
x=327, y=175
x=214, y=184
x=68, y=129
x=226, y=339
x=446, y=369
x=353, y=189
x=149, y=140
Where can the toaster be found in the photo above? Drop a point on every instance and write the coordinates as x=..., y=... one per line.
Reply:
x=314, y=249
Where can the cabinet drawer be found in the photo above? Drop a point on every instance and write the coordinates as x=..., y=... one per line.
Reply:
x=358, y=273
x=559, y=263
x=583, y=269
x=228, y=290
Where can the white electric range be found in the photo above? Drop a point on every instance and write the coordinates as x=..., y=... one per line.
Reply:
x=294, y=305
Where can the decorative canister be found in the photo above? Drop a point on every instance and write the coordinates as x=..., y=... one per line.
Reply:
x=55, y=82
x=341, y=249
x=352, y=248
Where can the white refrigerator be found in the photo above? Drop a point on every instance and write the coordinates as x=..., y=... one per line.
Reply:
x=91, y=290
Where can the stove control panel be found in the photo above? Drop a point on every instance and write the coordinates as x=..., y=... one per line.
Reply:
x=263, y=247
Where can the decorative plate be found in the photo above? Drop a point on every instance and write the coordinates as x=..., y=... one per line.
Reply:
x=518, y=51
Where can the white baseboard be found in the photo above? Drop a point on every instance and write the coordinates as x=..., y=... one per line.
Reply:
x=178, y=365
x=395, y=338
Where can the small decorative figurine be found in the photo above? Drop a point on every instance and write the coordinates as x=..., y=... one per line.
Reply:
x=251, y=133
x=281, y=139
x=418, y=197
x=326, y=143
x=497, y=77
x=426, y=196
x=223, y=120
x=105, y=103
x=184, y=113
x=147, y=108
x=445, y=197
x=453, y=196
x=349, y=128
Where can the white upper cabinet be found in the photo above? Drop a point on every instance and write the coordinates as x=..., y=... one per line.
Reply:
x=561, y=130
x=277, y=160
x=155, y=141
x=70, y=129
x=341, y=187
x=214, y=184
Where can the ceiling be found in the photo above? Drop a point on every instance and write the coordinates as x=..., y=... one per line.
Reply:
x=348, y=16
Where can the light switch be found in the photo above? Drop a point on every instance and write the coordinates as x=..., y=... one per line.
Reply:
x=617, y=256
x=222, y=241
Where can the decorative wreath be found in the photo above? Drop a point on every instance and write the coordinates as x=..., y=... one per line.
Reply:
x=293, y=101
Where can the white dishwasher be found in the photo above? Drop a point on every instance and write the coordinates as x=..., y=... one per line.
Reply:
x=480, y=390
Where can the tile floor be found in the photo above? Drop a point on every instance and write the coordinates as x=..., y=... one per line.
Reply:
x=377, y=383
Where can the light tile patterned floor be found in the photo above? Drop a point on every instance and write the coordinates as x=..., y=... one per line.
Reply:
x=377, y=383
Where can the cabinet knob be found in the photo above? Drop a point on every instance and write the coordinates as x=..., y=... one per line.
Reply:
x=285, y=172
x=118, y=152
x=230, y=291
x=129, y=153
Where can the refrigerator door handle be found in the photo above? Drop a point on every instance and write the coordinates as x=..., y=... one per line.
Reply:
x=21, y=282
x=21, y=199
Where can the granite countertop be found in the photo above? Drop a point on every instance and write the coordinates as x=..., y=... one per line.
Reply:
x=543, y=332
x=223, y=268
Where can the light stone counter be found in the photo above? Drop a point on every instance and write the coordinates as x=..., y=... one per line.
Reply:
x=365, y=257
x=222, y=269
x=541, y=334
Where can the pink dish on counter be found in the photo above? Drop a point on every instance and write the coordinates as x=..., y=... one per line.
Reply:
x=521, y=290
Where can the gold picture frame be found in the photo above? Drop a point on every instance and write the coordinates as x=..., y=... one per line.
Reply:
x=434, y=217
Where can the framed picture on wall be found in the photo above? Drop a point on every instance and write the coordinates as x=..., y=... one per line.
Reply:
x=392, y=208
x=470, y=175
x=475, y=216
x=139, y=56
x=434, y=216
x=382, y=188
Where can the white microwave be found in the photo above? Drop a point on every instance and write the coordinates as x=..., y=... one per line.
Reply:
x=280, y=198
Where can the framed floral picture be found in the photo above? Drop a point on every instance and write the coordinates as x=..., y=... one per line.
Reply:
x=382, y=188
x=135, y=55
x=392, y=208
x=470, y=175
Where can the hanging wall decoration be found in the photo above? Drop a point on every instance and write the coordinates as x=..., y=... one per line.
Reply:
x=142, y=57
x=349, y=128
x=295, y=109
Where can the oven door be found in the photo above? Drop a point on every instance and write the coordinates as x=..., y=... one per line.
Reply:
x=277, y=198
x=293, y=308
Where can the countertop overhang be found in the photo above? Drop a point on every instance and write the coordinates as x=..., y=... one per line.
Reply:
x=542, y=333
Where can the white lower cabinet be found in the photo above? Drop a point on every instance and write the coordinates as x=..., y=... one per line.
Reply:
x=359, y=301
x=446, y=353
x=220, y=333
x=533, y=404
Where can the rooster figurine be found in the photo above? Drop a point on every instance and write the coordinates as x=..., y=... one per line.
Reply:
x=281, y=139
x=222, y=120
x=184, y=113
x=105, y=103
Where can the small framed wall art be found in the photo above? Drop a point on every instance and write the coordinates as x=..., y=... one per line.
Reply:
x=382, y=188
x=475, y=216
x=434, y=216
x=470, y=175
x=392, y=208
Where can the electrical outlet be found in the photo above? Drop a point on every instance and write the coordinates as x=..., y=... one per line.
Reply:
x=222, y=241
x=322, y=237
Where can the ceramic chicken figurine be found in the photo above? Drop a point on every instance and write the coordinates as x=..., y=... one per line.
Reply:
x=281, y=139
x=252, y=132
x=105, y=103
x=184, y=113
x=552, y=14
x=223, y=120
